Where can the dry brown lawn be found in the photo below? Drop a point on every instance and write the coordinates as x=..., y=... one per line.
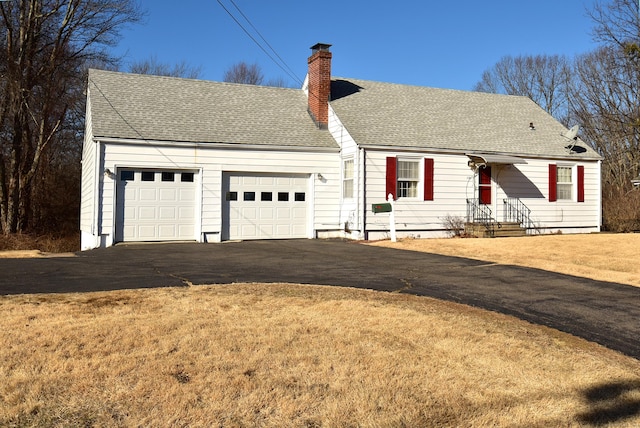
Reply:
x=286, y=355
x=602, y=256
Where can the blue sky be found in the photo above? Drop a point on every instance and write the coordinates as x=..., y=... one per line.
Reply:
x=438, y=43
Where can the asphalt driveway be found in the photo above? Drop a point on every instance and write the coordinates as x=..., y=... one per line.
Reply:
x=602, y=312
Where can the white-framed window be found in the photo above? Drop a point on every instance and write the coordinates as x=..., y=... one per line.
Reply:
x=347, y=178
x=564, y=183
x=408, y=175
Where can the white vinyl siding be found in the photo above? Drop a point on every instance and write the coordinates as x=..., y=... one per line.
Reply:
x=350, y=213
x=91, y=179
x=454, y=184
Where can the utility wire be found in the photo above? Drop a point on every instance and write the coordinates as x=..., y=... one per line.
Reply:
x=115, y=109
x=288, y=72
x=267, y=43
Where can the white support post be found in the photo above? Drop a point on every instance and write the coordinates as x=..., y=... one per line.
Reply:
x=392, y=219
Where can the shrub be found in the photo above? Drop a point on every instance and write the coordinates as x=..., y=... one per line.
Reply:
x=621, y=211
x=454, y=225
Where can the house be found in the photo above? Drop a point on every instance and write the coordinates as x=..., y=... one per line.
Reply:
x=180, y=159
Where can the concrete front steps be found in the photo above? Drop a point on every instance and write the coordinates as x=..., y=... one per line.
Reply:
x=500, y=230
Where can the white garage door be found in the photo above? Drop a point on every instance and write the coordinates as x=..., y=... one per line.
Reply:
x=155, y=205
x=265, y=206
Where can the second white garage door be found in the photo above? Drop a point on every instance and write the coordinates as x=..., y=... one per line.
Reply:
x=265, y=206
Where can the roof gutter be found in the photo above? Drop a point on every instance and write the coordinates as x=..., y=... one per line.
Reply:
x=216, y=145
x=462, y=152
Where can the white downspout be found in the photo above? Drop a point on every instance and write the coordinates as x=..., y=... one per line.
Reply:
x=599, y=216
x=95, y=221
x=362, y=200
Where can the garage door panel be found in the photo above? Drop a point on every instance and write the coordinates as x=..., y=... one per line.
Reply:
x=299, y=213
x=168, y=195
x=129, y=212
x=166, y=230
x=186, y=213
x=283, y=229
x=186, y=230
x=146, y=232
x=186, y=195
x=266, y=230
x=147, y=195
x=249, y=181
x=129, y=230
x=159, y=210
x=167, y=213
x=266, y=214
x=146, y=213
x=129, y=193
x=284, y=214
x=249, y=214
x=298, y=229
x=248, y=229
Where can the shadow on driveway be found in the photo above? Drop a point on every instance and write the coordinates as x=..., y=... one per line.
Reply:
x=602, y=312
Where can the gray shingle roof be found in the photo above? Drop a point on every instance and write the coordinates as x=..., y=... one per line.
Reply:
x=387, y=114
x=186, y=110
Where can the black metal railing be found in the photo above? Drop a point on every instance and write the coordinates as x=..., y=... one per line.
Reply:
x=481, y=214
x=517, y=212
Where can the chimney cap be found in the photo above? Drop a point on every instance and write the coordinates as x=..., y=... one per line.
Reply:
x=320, y=47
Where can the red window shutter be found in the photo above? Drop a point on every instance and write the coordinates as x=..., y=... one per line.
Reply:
x=484, y=185
x=553, y=183
x=391, y=178
x=428, y=179
x=580, y=183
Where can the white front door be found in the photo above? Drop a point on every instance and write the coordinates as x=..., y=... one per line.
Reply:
x=265, y=206
x=155, y=205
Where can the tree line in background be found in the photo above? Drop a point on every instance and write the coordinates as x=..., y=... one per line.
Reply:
x=598, y=90
x=48, y=45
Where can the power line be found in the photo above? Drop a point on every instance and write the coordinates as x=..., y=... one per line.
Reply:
x=280, y=64
x=267, y=43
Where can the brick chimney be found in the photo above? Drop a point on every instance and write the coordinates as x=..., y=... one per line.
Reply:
x=319, y=83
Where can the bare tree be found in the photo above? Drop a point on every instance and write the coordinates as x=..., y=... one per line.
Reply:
x=153, y=66
x=617, y=23
x=242, y=72
x=277, y=82
x=543, y=78
x=46, y=44
x=606, y=99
